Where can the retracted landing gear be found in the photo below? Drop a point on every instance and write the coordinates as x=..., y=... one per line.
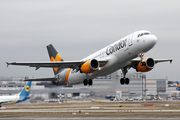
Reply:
x=124, y=79
x=88, y=82
x=141, y=55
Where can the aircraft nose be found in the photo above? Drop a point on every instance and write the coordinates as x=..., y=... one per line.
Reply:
x=150, y=40
x=153, y=39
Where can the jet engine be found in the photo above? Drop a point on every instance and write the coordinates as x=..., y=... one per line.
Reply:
x=89, y=66
x=146, y=65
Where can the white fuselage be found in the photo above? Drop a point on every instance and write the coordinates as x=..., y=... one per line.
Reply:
x=9, y=99
x=119, y=54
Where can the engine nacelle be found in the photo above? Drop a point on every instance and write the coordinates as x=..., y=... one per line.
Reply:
x=90, y=66
x=146, y=65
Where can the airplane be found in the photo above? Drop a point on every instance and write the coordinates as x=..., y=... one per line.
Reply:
x=20, y=97
x=178, y=86
x=123, y=54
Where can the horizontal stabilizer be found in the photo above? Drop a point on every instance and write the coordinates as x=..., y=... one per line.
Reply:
x=42, y=79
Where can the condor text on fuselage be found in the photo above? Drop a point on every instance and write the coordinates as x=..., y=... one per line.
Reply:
x=116, y=47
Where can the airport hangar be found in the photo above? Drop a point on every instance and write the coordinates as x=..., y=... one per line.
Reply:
x=103, y=87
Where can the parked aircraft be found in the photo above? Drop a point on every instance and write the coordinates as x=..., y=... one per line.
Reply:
x=118, y=55
x=178, y=86
x=20, y=97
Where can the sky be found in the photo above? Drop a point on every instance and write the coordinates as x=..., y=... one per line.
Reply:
x=78, y=28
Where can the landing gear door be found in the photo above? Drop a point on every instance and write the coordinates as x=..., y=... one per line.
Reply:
x=130, y=39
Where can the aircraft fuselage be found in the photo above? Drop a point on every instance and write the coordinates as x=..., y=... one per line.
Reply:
x=119, y=54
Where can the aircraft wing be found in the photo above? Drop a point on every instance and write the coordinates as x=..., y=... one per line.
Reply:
x=163, y=60
x=155, y=60
x=61, y=64
x=134, y=62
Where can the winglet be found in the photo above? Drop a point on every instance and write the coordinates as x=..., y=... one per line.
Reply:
x=7, y=64
x=171, y=61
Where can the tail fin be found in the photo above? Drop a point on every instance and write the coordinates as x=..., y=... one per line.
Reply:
x=54, y=57
x=26, y=90
x=178, y=84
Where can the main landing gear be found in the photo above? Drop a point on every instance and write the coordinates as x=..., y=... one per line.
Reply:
x=88, y=82
x=124, y=79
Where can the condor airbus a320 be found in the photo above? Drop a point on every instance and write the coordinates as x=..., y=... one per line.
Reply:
x=118, y=55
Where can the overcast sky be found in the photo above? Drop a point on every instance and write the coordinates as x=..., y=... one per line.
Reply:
x=78, y=28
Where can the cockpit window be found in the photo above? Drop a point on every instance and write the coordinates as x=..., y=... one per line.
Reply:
x=139, y=35
x=146, y=33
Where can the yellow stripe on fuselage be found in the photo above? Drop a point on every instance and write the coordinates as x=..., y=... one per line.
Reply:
x=67, y=75
x=16, y=99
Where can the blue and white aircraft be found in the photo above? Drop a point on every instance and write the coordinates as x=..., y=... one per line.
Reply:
x=20, y=97
x=178, y=86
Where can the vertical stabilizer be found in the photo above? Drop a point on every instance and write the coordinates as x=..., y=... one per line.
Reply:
x=178, y=86
x=26, y=90
x=54, y=57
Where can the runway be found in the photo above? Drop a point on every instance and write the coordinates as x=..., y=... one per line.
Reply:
x=79, y=110
x=89, y=119
x=153, y=109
